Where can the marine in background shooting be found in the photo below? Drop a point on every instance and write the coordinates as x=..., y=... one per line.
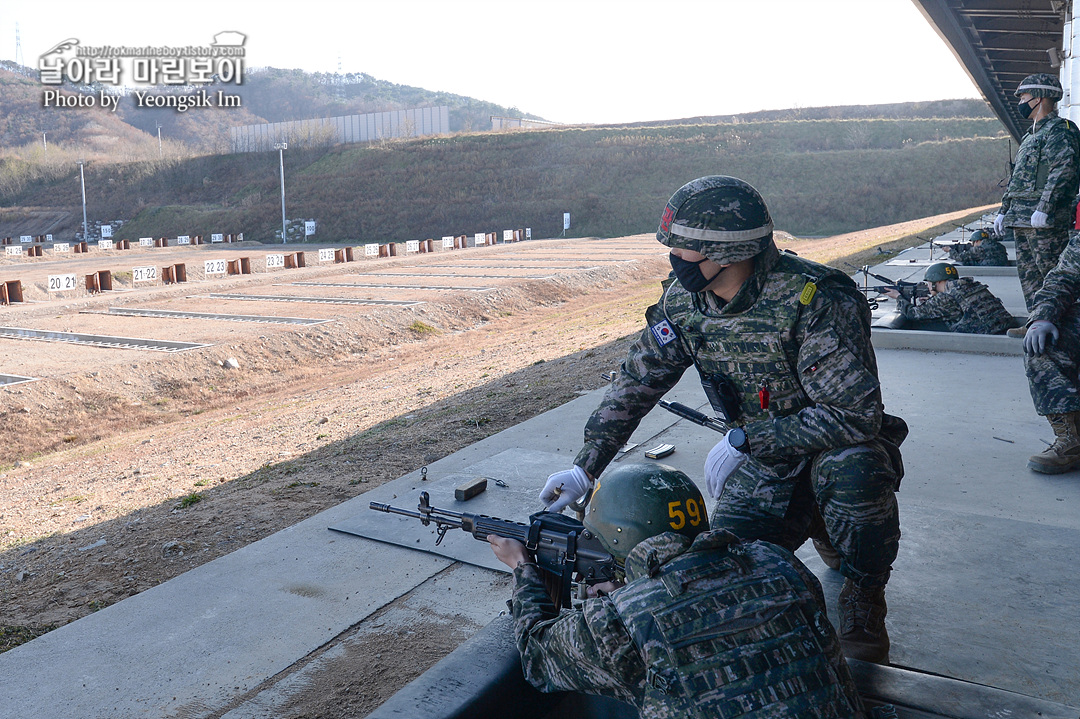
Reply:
x=985, y=250
x=962, y=303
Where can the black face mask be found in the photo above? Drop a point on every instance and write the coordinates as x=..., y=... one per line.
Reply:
x=689, y=273
x=1026, y=109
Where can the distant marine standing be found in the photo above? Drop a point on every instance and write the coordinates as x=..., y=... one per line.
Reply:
x=985, y=251
x=963, y=304
x=1040, y=200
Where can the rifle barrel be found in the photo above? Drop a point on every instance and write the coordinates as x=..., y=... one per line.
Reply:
x=693, y=415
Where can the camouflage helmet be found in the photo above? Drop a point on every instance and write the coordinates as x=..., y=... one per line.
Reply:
x=941, y=271
x=638, y=501
x=1041, y=84
x=723, y=218
x=980, y=235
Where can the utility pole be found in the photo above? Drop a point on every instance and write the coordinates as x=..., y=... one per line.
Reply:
x=82, y=181
x=159, y=140
x=281, y=147
x=43, y=142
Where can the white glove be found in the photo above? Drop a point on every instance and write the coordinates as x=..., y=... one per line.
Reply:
x=999, y=225
x=722, y=461
x=1039, y=336
x=1040, y=219
x=565, y=487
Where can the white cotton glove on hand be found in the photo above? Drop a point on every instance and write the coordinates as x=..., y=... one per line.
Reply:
x=1040, y=219
x=565, y=487
x=999, y=225
x=722, y=461
x=1039, y=337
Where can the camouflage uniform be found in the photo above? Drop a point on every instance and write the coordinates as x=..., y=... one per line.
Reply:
x=965, y=306
x=696, y=632
x=1046, y=177
x=822, y=436
x=989, y=253
x=1054, y=376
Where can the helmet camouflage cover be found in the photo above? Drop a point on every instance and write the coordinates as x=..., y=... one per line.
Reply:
x=1041, y=84
x=941, y=271
x=723, y=218
x=638, y=501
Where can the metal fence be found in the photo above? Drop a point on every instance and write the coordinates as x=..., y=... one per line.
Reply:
x=346, y=129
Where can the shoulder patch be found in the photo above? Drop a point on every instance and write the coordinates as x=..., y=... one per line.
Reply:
x=808, y=292
x=663, y=332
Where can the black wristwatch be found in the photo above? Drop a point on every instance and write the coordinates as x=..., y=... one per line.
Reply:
x=738, y=440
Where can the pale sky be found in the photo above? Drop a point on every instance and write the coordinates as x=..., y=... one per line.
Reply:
x=567, y=61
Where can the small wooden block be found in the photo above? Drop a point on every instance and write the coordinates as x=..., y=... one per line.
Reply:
x=470, y=489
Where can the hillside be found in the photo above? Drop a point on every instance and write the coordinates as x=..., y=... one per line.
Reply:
x=820, y=177
x=824, y=170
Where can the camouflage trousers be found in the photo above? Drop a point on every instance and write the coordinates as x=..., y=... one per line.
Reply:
x=1054, y=376
x=1037, y=252
x=846, y=493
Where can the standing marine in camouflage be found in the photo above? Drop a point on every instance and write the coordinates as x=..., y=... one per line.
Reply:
x=706, y=625
x=962, y=303
x=1052, y=362
x=985, y=251
x=782, y=347
x=1039, y=203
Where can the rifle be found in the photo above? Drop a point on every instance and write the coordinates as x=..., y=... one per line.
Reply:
x=563, y=548
x=907, y=290
x=694, y=416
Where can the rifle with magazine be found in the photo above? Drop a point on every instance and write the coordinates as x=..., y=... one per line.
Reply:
x=908, y=290
x=565, y=551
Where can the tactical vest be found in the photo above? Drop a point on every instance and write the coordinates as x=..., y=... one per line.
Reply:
x=1031, y=168
x=756, y=351
x=729, y=629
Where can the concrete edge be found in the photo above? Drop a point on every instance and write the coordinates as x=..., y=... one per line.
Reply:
x=884, y=338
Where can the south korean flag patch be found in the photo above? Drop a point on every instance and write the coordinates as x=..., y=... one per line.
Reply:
x=663, y=332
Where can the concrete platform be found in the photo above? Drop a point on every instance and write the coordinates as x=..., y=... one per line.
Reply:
x=984, y=589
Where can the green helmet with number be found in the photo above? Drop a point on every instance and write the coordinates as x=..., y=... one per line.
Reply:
x=722, y=217
x=1041, y=84
x=638, y=501
x=980, y=235
x=941, y=271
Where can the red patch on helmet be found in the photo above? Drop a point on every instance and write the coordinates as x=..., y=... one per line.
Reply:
x=665, y=221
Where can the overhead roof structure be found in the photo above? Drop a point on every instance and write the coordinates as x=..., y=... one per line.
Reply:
x=999, y=43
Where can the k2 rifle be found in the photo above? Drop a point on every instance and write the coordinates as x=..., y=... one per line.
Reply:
x=565, y=551
x=907, y=290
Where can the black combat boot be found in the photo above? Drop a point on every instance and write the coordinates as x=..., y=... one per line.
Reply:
x=862, y=623
x=1064, y=454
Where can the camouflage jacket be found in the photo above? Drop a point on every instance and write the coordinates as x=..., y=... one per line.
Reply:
x=1061, y=288
x=1046, y=174
x=633, y=645
x=824, y=388
x=966, y=306
x=989, y=253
